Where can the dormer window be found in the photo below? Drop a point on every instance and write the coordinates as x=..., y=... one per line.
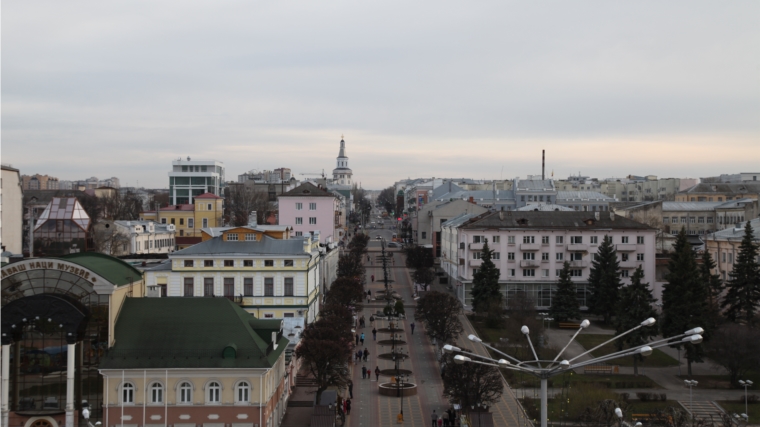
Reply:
x=232, y=237
x=250, y=237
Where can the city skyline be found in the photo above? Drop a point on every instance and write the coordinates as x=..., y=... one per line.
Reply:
x=607, y=90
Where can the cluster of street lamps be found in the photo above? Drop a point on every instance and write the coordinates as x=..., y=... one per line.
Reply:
x=544, y=369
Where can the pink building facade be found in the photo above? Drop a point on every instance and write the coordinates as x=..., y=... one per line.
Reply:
x=307, y=209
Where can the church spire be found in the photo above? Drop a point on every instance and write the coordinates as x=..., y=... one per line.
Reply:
x=342, y=147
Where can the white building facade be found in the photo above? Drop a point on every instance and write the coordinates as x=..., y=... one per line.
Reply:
x=190, y=178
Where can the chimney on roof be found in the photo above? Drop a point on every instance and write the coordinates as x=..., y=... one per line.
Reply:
x=597, y=216
x=471, y=200
x=501, y=214
x=612, y=216
x=252, y=219
x=543, y=164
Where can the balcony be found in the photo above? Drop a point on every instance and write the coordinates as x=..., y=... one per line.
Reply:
x=578, y=264
x=476, y=246
x=530, y=247
x=631, y=263
x=577, y=247
x=527, y=263
x=476, y=262
x=625, y=247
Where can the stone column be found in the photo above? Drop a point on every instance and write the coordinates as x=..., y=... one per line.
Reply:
x=71, y=358
x=6, y=376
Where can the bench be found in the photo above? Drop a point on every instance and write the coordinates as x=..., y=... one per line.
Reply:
x=597, y=369
x=569, y=325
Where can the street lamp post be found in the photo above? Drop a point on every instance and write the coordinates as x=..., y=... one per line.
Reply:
x=619, y=414
x=545, y=369
x=746, y=384
x=691, y=384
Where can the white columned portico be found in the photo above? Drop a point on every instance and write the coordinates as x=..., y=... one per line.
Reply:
x=71, y=358
x=6, y=374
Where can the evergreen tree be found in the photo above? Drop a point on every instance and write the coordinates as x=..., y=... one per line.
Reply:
x=714, y=289
x=565, y=304
x=485, y=283
x=634, y=307
x=743, y=286
x=604, y=281
x=684, y=297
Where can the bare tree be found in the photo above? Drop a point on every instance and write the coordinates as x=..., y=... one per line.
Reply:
x=440, y=312
x=736, y=348
x=242, y=200
x=124, y=206
x=107, y=240
x=470, y=384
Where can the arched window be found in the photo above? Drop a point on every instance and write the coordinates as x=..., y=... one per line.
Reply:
x=127, y=393
x=242, y=392
x=185, y=393
x=214, y=392
x=156, y=393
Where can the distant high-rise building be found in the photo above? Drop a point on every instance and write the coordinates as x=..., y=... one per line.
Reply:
x=190, y=178
x=39, y=182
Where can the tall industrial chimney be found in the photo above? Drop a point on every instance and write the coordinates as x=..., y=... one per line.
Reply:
x=543, y=165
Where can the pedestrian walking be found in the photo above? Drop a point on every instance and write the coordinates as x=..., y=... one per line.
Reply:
x=377, y=373
x=366, y=354
x=440, y=422
x=374, y=334
x=350, y=389
x=434, y=417
x=364, y=321
x=348, y=406
x=371, y=320
x=357, y=339
x=412, y=325
x=373, y=278
x=361, y=338
x=364, y=372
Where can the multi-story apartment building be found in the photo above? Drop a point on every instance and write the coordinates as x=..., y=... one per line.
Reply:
x=591, y=201
x=645, y=188
x=433, y=214
x=531, y=247
x=699, y=218
x=40, y=182
x=720, y=192
x=11, y=210
x=269, y=277
x=724, y=246
x=534, y=190
x=191, y=178
x=308, y=208
x=188, y=219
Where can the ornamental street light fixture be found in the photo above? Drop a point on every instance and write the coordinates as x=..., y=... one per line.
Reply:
x=545, y=369
x=691, y=384
x=746, y=384
x=619, y=414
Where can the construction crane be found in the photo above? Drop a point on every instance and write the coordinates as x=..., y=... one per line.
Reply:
x=314, y=173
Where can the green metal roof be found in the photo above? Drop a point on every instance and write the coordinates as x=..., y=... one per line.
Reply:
x=112, y=269
x=165, y=333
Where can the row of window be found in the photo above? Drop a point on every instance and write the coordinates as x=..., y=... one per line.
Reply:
x=312, y=220
x=675, y=231
x=229, y=287
x=190, y=222
x=312, y=206
x=231, y=263
x=730, y=219
x=159, y=243
x=594, y=240
x=531, y=272
x=213, y=394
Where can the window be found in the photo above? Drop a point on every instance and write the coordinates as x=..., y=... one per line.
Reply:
x=529, y=256
x=545, y=240
x=214, y=392
x=559, y=256
x=288, y=287
x=229, y=287
x=190, y=223
x=666, y=220
x=545, y=272
x=556, y=272
x=478, y=239
x=312, y=220
x=576, y=240
x=189, y=286
x=529, y=272
x=172, y=220
x=640, y=240
x=730, y=258
x=559, y=240
x=312, y=206
x=299, y=233
x=701, y=220
x=495, y=255
x=529, y=239
x=163, y=220
x=511, y=256
x=188, y=263
x=127, y=393
x=208, y=263
x=299, y=220
x=268, y=263
x=268, y=315
x=243, y=392
x=477, y=255
x=288, y=263
x=208, y=286
x=247, y=263
x=692, y=220
x=250, y=237
x=511, y=272
x=248, y=286
x=683, y=220
x=623, y=257
x=511, y=240
x=269, y=287
x=288, y=315
x=232, y=237
x=709, y=220
x=544, y=256
x=424, y=235
x=495, y=239
x=156, y=393
x=594, y=240
x=576, y=256
x=623, y=273
x=182, y=221
x=576, y=273
x=208, y=206
x=639, y=257
x=299, y=206
x=229, y=263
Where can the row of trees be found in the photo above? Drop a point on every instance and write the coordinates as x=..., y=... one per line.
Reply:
x=326, y=345
x=420, y=260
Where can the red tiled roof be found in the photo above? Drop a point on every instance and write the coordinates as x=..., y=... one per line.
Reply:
x=207, y=196
x=184, y=207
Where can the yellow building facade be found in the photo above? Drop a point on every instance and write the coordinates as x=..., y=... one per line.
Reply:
x=189, y=220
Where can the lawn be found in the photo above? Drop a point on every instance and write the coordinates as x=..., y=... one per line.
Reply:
x=724, y=381
x=658, y=359
x=559, y=410
x=571, y=379
x=734, y=407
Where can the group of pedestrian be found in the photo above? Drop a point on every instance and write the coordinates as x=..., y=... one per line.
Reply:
x=448, y=419
x=360, y=339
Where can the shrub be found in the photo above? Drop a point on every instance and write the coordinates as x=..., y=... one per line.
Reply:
x=646, y=397
x=587, y=396
x=625, y=396
x=663, y=397
x=752, y=398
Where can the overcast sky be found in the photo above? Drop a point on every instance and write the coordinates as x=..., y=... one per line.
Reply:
x=439, y=88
